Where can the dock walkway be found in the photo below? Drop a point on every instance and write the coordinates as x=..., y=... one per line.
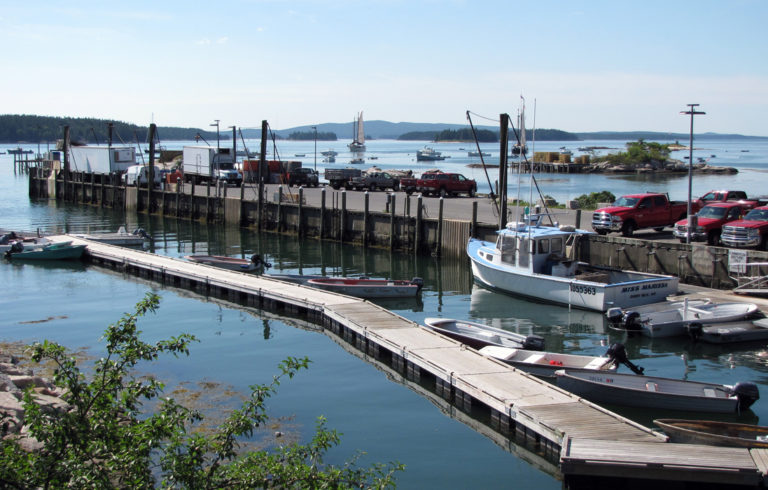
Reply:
x=590, y=440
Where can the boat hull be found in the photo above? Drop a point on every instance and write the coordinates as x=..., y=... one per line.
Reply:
x=674, y=323
x=589, y=295
x=546, y=364
x=649, y=392
x=368, y=288
x=477, y=335
x=714, y=433
x=222, y=262
x=51, y=252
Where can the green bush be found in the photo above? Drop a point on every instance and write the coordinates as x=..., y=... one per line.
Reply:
x=107, y=439
x=590, y=201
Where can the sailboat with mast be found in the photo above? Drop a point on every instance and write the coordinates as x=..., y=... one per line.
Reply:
x=541, y=262
x=358, y=140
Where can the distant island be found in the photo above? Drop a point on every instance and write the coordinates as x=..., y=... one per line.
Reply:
x=16, y=128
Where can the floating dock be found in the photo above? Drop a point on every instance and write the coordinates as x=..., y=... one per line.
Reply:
x=586, y=439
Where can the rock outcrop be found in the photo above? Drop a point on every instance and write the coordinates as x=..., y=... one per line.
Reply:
x=14, y=381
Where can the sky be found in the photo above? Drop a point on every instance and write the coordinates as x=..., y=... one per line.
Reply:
x=581, y=66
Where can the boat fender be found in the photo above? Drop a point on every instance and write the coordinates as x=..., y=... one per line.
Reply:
x=695, y=330
x=632, y=320
x=614, y=315
x=747, y=394
x=533, y=342
x=617, y=353
x=418, y=281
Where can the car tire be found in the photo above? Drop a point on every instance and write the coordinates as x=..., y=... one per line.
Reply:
x=628, y=229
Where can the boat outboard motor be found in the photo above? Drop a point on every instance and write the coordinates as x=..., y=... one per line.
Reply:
x=614, y=315
x=533, y=342
x=259, y=262
x=618, y=354
x=142, y=233
x=632, y=321
x=418, y=281
x=747, y=394
x=695, y=330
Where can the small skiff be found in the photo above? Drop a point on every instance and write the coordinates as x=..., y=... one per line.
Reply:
x=546, y=363
x=120, y=237
x=685, y=318
x=53, y=251
x=660, y=393
x=478, y=335
x=224, y=262
x=370, y=288
x=726, y=333
x=714, y=433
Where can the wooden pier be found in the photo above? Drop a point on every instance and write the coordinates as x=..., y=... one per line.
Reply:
x=585, y=439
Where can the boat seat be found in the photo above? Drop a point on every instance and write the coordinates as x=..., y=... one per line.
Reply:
x=709, y=392
x=535, y=359
x=595, y=363
x=651, y=387
x=489, y=336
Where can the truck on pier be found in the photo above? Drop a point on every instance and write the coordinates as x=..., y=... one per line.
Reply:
x=101, y=159
x=636, y=211
x=342, y=177
x=206, y=164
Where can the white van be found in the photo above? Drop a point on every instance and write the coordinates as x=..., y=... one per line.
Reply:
x=139, y=175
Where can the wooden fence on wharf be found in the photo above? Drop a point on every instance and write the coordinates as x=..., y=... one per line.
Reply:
x=587, y=440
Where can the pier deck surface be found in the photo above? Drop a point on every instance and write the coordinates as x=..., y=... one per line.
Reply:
x=593, y=441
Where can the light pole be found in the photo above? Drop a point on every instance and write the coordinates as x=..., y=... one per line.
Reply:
x=218, y=145
x=692, y=112
x=315, y=128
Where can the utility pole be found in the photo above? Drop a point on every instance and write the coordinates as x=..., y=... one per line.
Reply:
x=503, y=148
x=315, y=128
x=691, y=112
x=218, y=145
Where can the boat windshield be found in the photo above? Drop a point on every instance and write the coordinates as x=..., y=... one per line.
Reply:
x=712, y=212
x=626, y=202
x=757, y=215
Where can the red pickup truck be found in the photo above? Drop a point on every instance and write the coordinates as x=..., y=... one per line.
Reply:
x=709, y=222
x=749, y=232
x=409, y=185
x=446, y=184
x=635, y=211
x=739, y=197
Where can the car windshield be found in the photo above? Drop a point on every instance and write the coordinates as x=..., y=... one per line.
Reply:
x=757, y=215
x=712, y=212
x=626, y=202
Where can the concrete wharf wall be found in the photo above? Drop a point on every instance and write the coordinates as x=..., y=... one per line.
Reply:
x=581, y=438
x=407, y=226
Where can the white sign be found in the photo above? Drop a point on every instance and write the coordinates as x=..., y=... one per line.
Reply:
x=737, y=261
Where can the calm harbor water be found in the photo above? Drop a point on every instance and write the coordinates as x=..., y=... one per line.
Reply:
x=374, y=410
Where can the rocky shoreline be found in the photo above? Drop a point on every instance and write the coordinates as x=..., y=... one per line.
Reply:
x=657, y=167
x=14, y=380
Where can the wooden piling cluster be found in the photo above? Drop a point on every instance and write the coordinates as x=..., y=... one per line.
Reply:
x=582, y=438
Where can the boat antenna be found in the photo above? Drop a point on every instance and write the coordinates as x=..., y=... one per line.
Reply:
x=485, y=169
x=530, y=169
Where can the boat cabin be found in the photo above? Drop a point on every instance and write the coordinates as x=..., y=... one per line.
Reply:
x=539, y=249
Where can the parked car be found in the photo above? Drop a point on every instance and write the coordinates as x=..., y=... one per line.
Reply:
x=748, y=232
x=636, y=211
x=709, y=222
x=303, y=176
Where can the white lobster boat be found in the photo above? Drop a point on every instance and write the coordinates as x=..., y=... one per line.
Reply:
x=538, y=262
